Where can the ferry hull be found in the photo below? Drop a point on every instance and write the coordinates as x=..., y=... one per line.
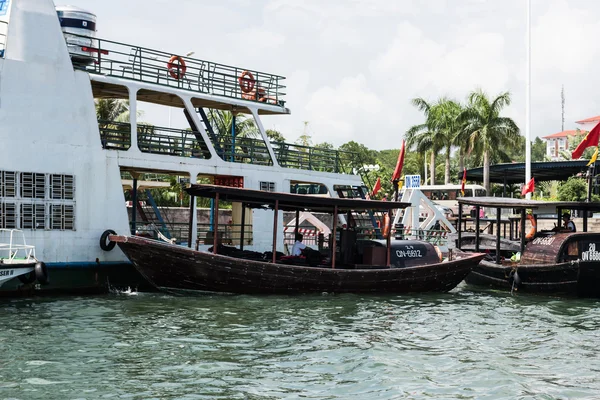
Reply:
x=80, y=279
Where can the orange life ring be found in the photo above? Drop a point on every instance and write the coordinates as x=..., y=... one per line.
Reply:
x=249, y=96
x=386, y=225
x=246, y=81
x=533, y=229
x=176, y=71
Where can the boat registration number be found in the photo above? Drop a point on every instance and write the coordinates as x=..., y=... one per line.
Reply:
x=7, y=272
x=410, y=253
x=591, y=254
x=544, y=241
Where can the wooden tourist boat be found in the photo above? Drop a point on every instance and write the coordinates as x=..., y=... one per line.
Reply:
x=358, y=266
x=551, y=261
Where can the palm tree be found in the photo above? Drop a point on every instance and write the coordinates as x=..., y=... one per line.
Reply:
x=116, y=110
x=245, y=130
x=446, y=117
x=437, y=132
x=486, y=131
x=222, y=121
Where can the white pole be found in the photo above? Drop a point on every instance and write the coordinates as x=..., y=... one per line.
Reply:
x=528, y=102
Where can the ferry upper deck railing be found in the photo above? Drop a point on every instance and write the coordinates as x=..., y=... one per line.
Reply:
x=100, y=56
x=185, y=143
x=3, y=32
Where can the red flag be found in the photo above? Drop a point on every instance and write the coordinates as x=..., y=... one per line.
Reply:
x=377, y=187
x=398, y=170
x=590, y=139
x=529, y=187
x=464, y=180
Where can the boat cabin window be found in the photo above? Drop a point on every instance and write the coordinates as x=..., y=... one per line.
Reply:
x=267, y=186
x=308, y=188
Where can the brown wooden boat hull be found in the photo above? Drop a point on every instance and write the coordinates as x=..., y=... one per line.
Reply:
x=577, y=278
x=175, y=268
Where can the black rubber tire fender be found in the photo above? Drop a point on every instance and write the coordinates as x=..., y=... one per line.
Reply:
x=105, y=244
x=41, y=273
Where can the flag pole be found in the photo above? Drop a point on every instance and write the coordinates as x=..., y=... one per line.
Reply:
x=528, y=102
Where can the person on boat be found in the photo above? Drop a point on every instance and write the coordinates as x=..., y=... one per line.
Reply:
x=568, y=223
x=298, y=245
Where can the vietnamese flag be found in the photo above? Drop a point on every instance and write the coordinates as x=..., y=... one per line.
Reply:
x=398, y=170
x=464, y=180
x=591, y=139
x=377, y=187
x=529, y=187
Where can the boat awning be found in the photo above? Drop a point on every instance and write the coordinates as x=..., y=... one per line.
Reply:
x=512, y=173
x=290, y=202
x=500, y=202
x=507, y=202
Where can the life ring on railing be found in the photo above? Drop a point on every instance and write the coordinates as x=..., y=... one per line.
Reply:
x=106, y=244
x=247, y=82
x=176, y=71
x=41, y=273
x=533, y=229
x=386, y=225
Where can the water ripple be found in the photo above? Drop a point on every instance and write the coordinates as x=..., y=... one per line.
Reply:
x=466, y=344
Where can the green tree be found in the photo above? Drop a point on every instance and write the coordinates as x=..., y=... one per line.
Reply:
x=325, y=146
x=574, y=189
x=538, y=150
x=486, y=131
x=275, y=136
x=573, y=143
x=356, y=155
x=222, y=121
x=438, y=132
x=116, y=110
x=304, y=140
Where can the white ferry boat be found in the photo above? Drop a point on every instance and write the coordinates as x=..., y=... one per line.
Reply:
x=63, y=172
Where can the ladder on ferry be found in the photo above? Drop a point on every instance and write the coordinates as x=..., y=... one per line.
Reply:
x=359, y=219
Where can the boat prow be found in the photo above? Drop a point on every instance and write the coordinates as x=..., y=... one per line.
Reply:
x=17, y=259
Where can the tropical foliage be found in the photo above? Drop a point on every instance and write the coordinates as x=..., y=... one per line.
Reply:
x=575, y=189
x=486, y=132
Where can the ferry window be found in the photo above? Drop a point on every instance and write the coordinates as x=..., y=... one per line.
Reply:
x=62, y=217
x=28, y=212
x=8, y=184
x=308, y=188
x=8, y=216
x=61, y=187
x=267, y=186
x=33, y=185
x=33, y=216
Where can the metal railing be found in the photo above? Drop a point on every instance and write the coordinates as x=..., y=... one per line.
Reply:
x=184, y=143
x=105, y=57
x=3, y=33
x=311, y=158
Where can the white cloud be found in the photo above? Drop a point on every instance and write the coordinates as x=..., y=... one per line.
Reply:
x=354, y=65
x=333, y=111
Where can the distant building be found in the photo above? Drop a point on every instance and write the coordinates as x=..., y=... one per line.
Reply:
x=561, y=141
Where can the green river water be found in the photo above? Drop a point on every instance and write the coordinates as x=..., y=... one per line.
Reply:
x=466, y=344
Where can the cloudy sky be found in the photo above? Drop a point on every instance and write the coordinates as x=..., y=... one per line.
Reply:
x=352, y=66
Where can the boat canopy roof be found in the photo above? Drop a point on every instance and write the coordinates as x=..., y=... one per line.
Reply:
x=290, y=202
x=507, y=202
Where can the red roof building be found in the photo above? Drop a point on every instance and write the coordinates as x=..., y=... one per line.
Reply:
x=561, y=141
